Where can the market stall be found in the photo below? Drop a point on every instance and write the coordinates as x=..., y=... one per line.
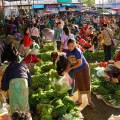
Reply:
x=49, y=98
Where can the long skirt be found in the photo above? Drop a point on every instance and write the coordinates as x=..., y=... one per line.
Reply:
x=82, y=80
x=18, y=95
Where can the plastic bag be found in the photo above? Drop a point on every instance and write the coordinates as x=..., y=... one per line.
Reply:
x=63, y=85
x=100, y=71
x=4, y=107
x=115, y=42
x=113, y=117
x=68, y=79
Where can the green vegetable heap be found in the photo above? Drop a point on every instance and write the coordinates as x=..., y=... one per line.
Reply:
x=109, y=91
x=49, y=98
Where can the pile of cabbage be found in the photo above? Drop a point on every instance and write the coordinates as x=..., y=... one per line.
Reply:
x=49, y=98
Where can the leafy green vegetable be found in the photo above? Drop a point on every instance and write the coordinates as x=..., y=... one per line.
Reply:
x=59, y=111
x=53, y=74
x=68, y=103
x=62, y=86
x=73, y=115
x=45, y=56
x=47, y=47
x=49, y=93
x=117, y=92
x=46, y=67
x=45, y=111
x=109, y=91
x=40, y=81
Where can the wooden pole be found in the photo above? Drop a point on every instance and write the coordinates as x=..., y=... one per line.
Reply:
x=33, y=8
x=20, y=4
x=29, y=6
x=10, y=8
x=2, y=5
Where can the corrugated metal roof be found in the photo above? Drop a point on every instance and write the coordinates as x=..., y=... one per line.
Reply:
x=109, y=5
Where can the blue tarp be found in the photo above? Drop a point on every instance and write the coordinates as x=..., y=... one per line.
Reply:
x=69, y=5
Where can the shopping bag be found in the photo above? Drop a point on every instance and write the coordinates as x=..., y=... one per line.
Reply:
x=63, y=85
x=68, y=79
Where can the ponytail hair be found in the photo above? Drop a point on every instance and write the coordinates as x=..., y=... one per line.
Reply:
x=66, y=31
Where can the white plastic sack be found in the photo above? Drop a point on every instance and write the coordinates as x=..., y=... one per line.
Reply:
x=68, y=79
x=115, y=42
x=114, y=117
x=64, y=83
x=100, y=71
x=4, y=107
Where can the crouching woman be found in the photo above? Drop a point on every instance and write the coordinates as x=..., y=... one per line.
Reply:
x=17, y=79
x=80, y=67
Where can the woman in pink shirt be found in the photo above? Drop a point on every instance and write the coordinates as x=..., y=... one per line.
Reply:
x=66, y=35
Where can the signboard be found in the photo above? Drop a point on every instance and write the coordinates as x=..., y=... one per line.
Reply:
x=64, y=1
x=67, y=1
x=51, y=7
x=46, y=1
x=37, y=6
x=62, y=8
x=107, y=1
x=29, y=2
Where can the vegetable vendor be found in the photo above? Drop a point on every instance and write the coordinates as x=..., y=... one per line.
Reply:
x=80, y=66
x=17, y=79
